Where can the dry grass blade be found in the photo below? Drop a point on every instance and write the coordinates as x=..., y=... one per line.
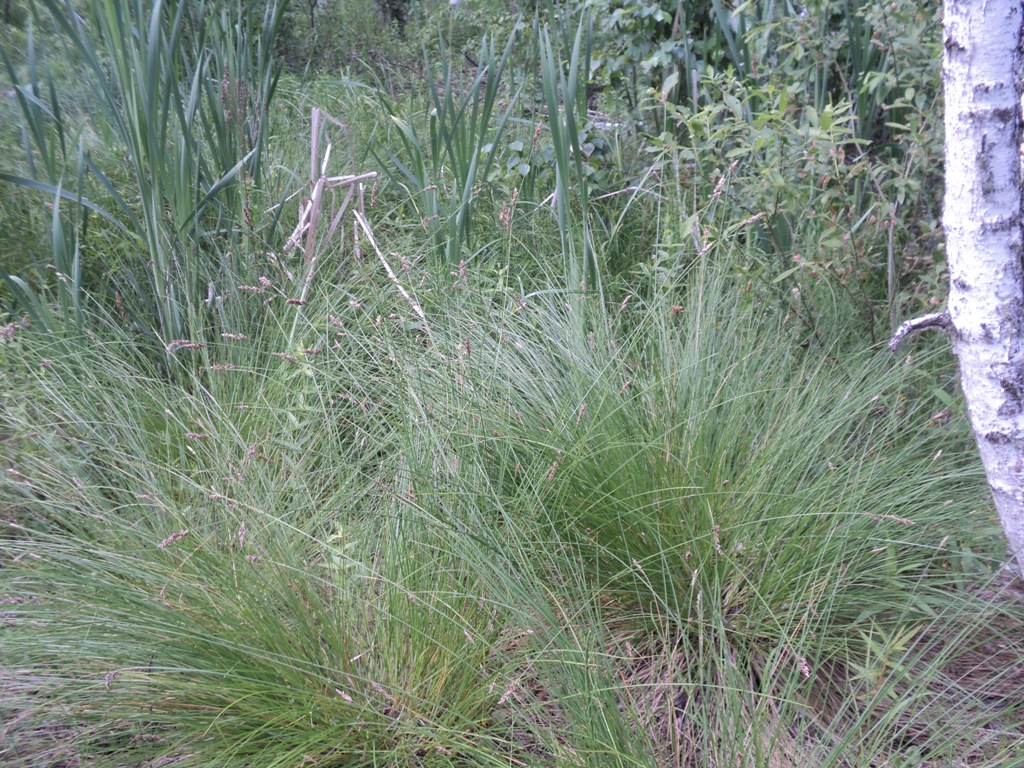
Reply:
x=361, y=219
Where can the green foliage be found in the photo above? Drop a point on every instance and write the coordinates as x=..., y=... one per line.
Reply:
x=185, y=92
x=443, y=174
x=670, y=45
x=582, y=455
x=357, y=36
x=14, y=14
x=866, y=68
x=516, y=541
x=565, y=98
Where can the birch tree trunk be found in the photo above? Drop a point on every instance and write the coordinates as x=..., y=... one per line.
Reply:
x=982, y=220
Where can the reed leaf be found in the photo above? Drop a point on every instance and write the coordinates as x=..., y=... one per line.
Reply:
x=563, y=92
x=446, y=170
x=194, y=143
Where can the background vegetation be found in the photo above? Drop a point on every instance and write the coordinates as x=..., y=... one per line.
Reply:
x=416, y=384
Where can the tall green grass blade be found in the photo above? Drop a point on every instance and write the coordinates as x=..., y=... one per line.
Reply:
x=38, y=309
x=562, y=94
x=445, y=169
x=64, y=194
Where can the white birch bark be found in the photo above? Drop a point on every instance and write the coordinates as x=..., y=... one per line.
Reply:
x=982, y=220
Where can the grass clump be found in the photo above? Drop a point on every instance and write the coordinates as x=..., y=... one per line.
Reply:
x=541, y=535
x=187, y=579
x=749, y=526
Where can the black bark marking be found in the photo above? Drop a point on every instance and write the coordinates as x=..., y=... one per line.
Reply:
x=1005, y=115
x=1011, y=379
x=1009, y=408
x=984, y=168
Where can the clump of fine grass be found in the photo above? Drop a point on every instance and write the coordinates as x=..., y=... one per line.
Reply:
x=756, y=546
x=547, y=534
x=208, y=597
